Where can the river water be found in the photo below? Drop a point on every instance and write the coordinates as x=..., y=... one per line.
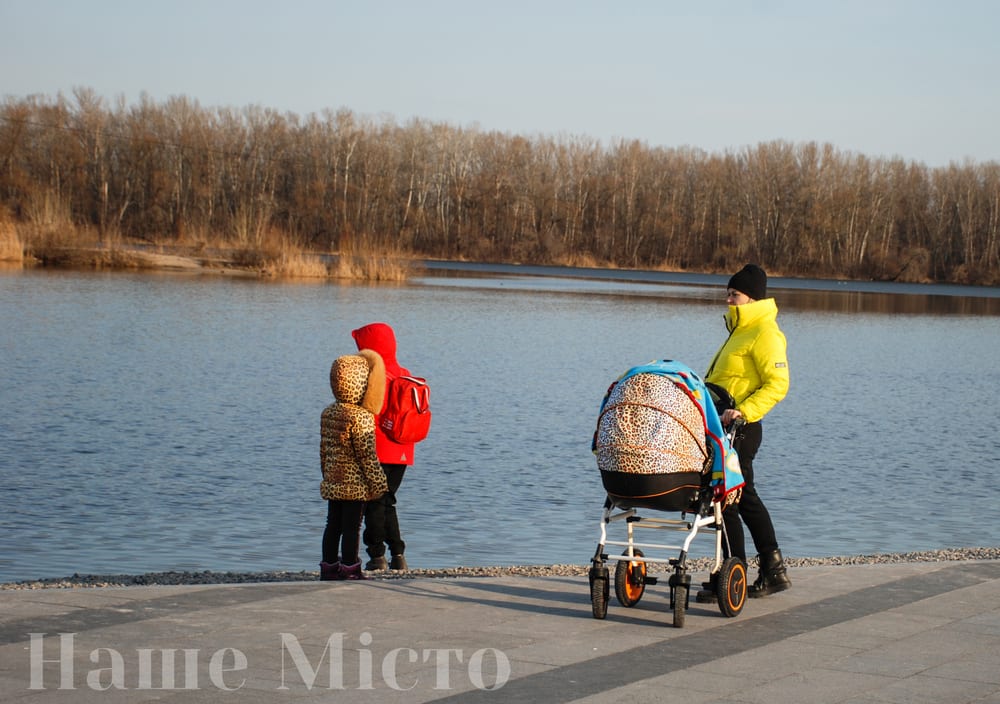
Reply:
x=171, y=422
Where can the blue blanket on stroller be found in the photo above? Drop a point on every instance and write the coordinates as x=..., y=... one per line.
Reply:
x=726, y=471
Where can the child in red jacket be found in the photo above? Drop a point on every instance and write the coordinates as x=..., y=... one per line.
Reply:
x=381, y=520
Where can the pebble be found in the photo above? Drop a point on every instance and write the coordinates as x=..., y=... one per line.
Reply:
x=695, y=565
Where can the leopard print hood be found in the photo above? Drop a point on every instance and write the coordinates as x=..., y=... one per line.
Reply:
x=359, y=379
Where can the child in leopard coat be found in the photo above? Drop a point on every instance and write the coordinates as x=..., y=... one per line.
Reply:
x=352, y=474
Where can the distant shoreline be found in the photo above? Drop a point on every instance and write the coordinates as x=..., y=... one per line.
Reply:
x=78, y=581
x=222, y=263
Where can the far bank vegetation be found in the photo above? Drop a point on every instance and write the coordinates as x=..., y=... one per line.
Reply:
x=334, y=194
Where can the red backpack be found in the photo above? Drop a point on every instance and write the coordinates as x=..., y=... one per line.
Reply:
x=407, y=414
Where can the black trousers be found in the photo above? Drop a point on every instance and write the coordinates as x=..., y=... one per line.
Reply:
x=381, y=521
x=750, y=508
x=342, y=537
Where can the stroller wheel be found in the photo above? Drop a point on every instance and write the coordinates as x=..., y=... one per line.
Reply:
x=630, y=580
x=732, y=589
x=599, y=591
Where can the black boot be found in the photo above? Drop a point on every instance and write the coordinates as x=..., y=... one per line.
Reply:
x=773, y=576
x=707, y=593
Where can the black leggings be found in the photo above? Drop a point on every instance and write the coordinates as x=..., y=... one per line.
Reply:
x=750, y=508
x=381, y=521
x=342, y=536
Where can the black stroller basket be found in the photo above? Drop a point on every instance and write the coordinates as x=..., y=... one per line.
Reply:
x=676, y=492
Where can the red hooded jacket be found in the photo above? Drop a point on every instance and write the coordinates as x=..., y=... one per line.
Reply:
x=381, y=338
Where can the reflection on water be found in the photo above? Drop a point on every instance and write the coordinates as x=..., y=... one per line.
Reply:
x=912, y=304
x=792, y=294
x=591, y=287
x=790, y=299
x=171, y=422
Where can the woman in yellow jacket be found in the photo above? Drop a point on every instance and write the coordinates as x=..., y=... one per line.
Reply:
x=752, y=365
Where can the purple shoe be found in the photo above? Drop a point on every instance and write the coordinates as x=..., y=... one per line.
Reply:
x=352, y=571
x=330, y=571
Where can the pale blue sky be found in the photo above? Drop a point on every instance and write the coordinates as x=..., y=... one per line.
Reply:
x=919, y=79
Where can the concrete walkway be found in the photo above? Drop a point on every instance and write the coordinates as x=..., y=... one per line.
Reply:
x=908, y=633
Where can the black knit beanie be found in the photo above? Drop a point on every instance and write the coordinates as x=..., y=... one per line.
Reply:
x=751, y=280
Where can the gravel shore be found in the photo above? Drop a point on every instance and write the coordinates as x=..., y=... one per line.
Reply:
x=695, y=565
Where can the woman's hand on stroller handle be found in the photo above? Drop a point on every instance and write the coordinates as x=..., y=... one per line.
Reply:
x=731, y=417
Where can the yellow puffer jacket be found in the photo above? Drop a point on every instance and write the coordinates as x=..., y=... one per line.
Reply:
x=752, y=364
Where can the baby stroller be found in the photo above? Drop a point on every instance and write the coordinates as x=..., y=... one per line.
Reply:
x=661, y=447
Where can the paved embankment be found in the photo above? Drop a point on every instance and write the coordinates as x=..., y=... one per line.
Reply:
x=872, y=631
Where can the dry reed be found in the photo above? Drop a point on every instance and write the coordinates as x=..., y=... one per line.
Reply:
x=11, y=247
x=371, y=267
x=296, y=265
x=52, y=238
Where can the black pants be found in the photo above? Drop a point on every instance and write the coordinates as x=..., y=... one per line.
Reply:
x=750, y=508
x=381, y=521
x=342, y=537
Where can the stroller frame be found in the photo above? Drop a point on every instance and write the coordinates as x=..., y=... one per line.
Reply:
x=728, y=575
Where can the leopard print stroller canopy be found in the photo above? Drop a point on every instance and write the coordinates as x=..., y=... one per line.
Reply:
x=659, y=439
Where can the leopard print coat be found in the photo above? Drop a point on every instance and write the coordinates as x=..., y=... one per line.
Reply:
x=351, y=470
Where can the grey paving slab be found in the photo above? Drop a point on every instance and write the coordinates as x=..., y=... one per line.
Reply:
x=861, y=634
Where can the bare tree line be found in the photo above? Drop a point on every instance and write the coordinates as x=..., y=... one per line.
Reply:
x=177, y=173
